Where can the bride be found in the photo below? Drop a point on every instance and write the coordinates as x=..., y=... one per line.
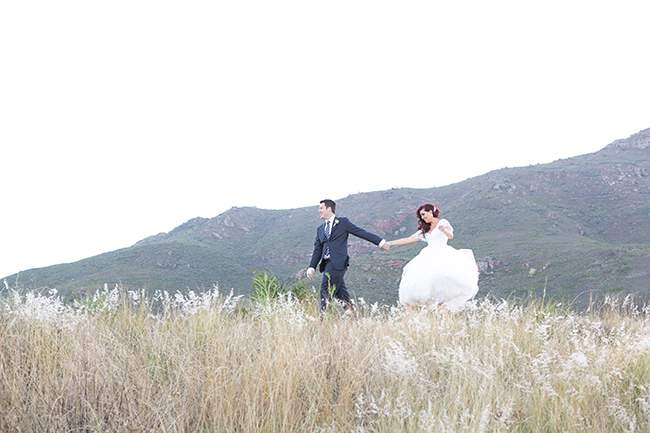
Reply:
x=439, y=274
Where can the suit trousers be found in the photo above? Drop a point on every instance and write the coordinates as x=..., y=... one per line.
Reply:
x=335, y=279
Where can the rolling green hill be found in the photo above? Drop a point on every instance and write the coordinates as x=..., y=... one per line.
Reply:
x=578, y=227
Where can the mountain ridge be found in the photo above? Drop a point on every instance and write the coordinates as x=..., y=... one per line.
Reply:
x=576, y=225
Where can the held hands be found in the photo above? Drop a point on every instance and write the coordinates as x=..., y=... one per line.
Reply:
x=386, y=246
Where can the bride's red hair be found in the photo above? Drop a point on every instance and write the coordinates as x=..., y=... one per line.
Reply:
x=423, y=226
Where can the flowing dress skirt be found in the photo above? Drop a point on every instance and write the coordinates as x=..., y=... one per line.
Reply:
x=439, y=274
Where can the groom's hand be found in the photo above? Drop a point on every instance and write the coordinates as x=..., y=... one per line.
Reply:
x=385, y=247
x=310, y=273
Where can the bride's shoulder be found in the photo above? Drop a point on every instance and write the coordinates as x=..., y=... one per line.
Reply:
x=444, y=223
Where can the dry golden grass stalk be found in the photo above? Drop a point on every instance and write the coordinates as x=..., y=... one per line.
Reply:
x=197, y=363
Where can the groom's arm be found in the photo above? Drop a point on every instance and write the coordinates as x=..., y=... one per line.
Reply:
x=363, y=234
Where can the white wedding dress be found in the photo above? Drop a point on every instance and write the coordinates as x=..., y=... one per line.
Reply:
x=439, y=273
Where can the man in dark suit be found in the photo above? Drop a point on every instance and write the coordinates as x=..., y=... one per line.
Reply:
x=331, y=251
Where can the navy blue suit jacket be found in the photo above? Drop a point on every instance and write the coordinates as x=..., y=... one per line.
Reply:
x=338, y=243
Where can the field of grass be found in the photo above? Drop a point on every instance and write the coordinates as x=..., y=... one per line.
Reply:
x=209, y=362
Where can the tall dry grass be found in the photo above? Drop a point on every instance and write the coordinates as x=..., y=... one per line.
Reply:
x=197, y=363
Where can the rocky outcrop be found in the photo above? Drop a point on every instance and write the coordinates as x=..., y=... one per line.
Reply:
x=486, y=264
x=640, y=140
x=151, y=239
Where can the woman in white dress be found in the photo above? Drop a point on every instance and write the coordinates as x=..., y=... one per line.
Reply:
x=439, y=274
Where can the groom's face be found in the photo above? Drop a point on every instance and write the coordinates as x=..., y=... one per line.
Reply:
x=325, y=212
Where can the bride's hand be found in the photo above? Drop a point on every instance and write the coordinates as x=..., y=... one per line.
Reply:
x=447, y=232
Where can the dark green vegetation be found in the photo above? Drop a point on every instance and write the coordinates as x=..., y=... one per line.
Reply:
x=576, y=228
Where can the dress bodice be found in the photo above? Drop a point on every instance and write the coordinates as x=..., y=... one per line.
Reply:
x=435, y=237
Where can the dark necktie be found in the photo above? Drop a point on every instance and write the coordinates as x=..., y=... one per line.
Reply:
x=327, y=236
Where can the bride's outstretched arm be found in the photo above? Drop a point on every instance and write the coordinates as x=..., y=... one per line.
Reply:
x=402, y=241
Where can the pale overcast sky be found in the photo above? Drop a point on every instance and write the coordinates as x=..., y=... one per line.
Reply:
x=123, y=119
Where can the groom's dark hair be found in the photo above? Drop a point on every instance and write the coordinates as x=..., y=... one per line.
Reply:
x=329, y=203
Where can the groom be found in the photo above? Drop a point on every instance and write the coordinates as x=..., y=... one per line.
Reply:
x=331, y=250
